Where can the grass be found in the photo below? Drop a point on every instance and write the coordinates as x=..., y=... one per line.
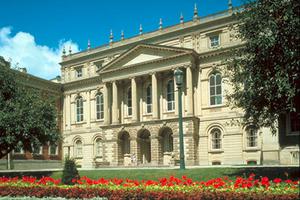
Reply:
x=195, y=174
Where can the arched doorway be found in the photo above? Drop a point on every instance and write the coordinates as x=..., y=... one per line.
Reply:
x=144, y=146
x=166, y=146
x=124, y=148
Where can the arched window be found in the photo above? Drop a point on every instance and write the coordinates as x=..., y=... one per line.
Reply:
x=170, y=96
x=78, y=149
x=99, y=106
x=98, y=147
x=79, y=109
x=149, y=98
x=251, y=136
x=129, y=102
x=215, y=86
x=216, y=139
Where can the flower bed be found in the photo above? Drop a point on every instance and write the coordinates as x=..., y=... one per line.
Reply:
x=164, y=188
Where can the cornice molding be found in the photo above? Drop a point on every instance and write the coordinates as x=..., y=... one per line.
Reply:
x=82, y=82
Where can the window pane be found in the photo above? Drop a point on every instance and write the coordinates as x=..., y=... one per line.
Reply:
x=218, y=100
x=212, y=91
x=218, y=89
x=212, y=101
x=212, y=80
x=218, y=79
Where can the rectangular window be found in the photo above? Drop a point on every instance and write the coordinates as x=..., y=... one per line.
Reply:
x=214, y=41
x=53, y=149
x=79, y=72
x=37, y=150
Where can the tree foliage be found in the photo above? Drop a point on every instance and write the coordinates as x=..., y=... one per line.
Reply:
x=27, y=119
x=265, y=71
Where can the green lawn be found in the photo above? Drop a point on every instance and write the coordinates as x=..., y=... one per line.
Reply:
x=195, y=174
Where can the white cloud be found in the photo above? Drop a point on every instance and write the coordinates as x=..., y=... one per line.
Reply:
x=40, y=60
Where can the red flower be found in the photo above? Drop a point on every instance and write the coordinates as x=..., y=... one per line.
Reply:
x=277, y=180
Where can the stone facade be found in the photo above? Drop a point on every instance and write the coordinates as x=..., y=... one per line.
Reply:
x=121, y=108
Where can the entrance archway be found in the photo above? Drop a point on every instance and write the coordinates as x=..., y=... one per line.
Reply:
x=144, y=146
x=124, y=148
x=166, y=146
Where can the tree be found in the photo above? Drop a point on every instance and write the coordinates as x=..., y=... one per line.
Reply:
x=70, y=171
x=265, y=72
x=27, y=119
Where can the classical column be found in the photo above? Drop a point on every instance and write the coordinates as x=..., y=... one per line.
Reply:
x=106, y=105
x=154, y=97
x=134, y=100
x=190, y=96
x=88, y=108
x=115, y=109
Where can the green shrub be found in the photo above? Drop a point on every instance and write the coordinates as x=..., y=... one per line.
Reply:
x=70, y=171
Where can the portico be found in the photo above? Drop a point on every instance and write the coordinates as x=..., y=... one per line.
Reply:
x=142, y=88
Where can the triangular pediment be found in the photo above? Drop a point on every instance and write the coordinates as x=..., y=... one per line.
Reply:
x=142, y=58
x=143, y=54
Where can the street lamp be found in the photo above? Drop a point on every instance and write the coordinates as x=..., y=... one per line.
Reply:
x=179, y=81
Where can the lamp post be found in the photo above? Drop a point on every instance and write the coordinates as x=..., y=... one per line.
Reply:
x=179, y=80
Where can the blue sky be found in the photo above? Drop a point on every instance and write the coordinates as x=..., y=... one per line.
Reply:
x=32, y=32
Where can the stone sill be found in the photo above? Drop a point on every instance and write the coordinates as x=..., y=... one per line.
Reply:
x=252, y=149
x=147, y=115
x=214, y=106
x=78, y=123
x=216, y=151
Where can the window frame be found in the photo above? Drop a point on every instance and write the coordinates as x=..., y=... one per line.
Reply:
x=129, y=101
x=79, y=108
x=99, y=106
x=216, y=141
x=170, y=96
x=215, y=86
x=56, y=149
x=40, y=150
x=216, y=43
x=250, y=139
x=149, y=99
x=98, y=145
x=78, y=152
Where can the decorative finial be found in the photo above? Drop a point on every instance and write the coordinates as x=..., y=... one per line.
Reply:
x=160, y=24
x=181, y=18
x=141, y=29
x=70, y=50
x=230, y=5
x=89, y=44
x=122, y=35
x=111, y=37
x=195, y=12
x=64, y=51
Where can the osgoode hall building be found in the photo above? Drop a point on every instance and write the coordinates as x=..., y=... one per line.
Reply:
x=120, y=102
